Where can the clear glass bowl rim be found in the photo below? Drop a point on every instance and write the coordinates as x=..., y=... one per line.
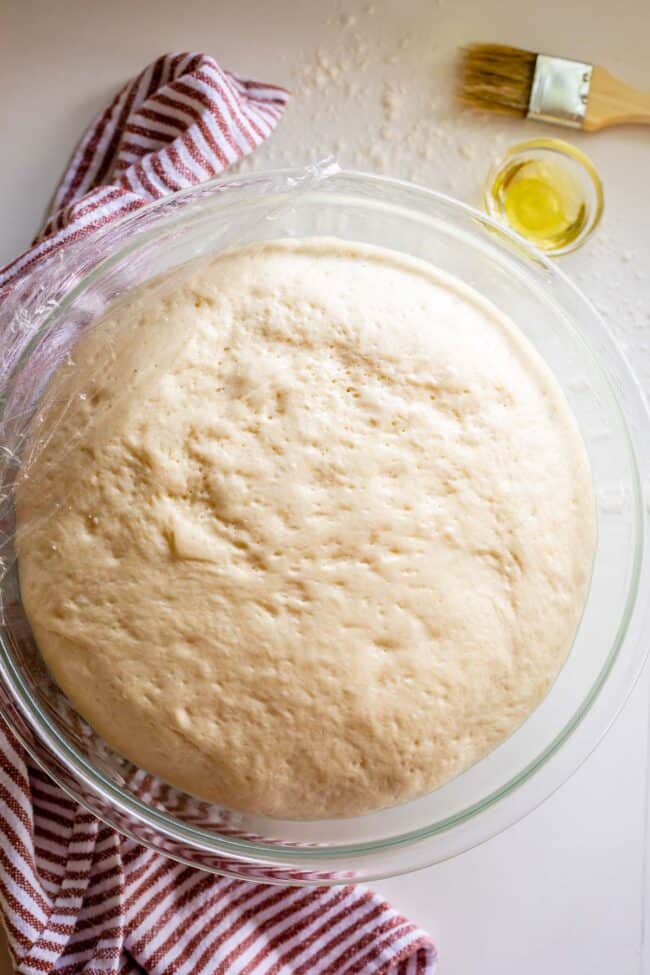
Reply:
x=254, y=852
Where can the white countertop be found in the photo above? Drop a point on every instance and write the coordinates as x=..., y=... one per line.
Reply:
x=566, y=889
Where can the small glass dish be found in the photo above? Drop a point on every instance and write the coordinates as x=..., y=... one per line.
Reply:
x=41, y=323
x=547, y=191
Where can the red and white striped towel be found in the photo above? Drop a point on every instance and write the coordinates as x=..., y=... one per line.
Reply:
x=78, y=897
x=181, y=121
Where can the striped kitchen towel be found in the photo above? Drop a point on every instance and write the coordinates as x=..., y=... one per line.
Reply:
x=181, y=121
x=77, y=897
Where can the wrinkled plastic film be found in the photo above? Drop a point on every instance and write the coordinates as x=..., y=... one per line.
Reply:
x=76, y=291
x=71, y=299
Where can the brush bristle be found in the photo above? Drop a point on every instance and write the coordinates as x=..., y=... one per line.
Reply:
x=496, y=78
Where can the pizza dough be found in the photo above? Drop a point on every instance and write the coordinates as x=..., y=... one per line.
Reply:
x=307, y=529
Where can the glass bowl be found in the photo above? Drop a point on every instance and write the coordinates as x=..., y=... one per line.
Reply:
x=43, y=320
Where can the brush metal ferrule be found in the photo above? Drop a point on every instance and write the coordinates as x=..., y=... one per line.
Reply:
x=559, y=91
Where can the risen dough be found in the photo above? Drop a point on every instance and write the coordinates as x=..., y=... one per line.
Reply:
x=313, y=532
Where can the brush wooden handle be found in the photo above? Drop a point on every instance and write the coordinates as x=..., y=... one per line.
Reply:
x=612, y=102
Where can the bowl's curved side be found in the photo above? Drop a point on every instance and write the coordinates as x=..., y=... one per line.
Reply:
x=611, y=645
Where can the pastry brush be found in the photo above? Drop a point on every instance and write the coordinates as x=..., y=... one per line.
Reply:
x=583, y=96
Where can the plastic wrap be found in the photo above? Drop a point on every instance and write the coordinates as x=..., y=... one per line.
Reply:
x=42, y=319
x=44, y=315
